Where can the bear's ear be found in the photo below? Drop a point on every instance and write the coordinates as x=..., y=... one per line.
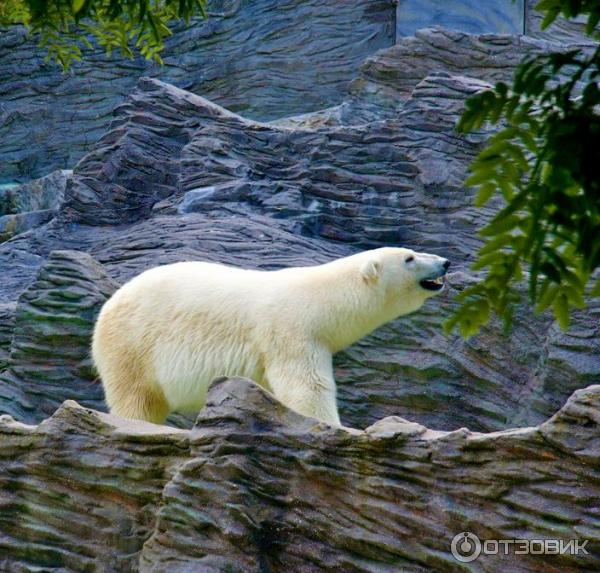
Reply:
x=370, y=270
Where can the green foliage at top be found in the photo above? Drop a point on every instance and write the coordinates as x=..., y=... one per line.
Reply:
x=545, y=164
x=552, y=9
x=65, y=27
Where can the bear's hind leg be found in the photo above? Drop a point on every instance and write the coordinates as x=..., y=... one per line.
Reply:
x=137, y=401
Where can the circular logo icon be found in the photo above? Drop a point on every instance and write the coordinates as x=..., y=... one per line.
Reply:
x=465, y=547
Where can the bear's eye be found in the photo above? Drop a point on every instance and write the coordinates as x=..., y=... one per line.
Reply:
x=410, y=259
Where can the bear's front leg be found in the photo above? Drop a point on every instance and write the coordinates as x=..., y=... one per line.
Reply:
x=305, y=384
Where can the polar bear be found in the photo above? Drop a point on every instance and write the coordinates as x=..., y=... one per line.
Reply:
x=163, y=337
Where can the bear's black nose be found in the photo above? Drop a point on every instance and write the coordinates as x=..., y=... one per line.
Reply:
x=446, y=264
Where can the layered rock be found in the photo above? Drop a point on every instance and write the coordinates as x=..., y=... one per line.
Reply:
x=265, y=58
x=366, y=185
x=185, y=179
x=11, y=225
x=136, y=163
x=257, y=487
x=388, y=78
x=465, y=15
x=49, y=351
x=296, y=496
x=80, y=491
x=7, y=322
x=562, y=30
x=32, y=204
x=45, y=193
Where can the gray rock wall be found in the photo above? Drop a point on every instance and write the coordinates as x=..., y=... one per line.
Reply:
x=7, y=323
x=265, y=58
x=78, y=493
x=473, y=16
x=50, y=342
x=177, y=177
x=566, y=31
x=38, y=195
x=29, y=205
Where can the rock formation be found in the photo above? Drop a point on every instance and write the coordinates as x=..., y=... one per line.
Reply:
x=49, y=351
x=177, y=177
x=79, y=492
x=23, y=207
x=254, y=487
x=264, y=58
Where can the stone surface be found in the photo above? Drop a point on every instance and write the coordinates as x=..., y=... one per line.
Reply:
x=464, y=15
x=11, y=225
x=293, y=496
x=388, y=77
x=37, y=195
x=265, y=58
x=7, y=323
x=177, y=177
x=49, y=351
x=256, y=487
x=363, y=185
x=80, y=491
x=32, y=204
x=562, y=30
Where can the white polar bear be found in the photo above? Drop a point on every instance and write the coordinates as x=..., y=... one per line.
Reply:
x=165, y=335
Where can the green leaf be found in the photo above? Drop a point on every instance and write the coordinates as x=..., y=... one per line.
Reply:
x=528, y=140
x=547, y=295
x=500, y=225
x=485, y=194
x=596, y=289
x=547, y=5
x=450, y=323
x=550, y=16
x=487, y=260
x=479, y=176
x=592, y=22
x=550, y=271
x=77, y=5
x=497, y=243
x=574, y=296
x=561, y=311
x=61, y=24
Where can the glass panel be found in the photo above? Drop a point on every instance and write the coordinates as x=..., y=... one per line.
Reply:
x=474, y=16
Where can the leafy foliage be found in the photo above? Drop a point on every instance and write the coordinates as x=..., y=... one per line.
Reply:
x=65, y=27
x=544, y=162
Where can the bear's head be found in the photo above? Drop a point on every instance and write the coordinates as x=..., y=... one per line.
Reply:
x=405, y=278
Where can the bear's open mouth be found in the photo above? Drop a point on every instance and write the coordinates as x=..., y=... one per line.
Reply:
x=433, y=283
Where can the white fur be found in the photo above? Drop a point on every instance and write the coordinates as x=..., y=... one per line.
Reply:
x=165, y=335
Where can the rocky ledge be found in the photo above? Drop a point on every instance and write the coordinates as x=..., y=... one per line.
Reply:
x=255, y=487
